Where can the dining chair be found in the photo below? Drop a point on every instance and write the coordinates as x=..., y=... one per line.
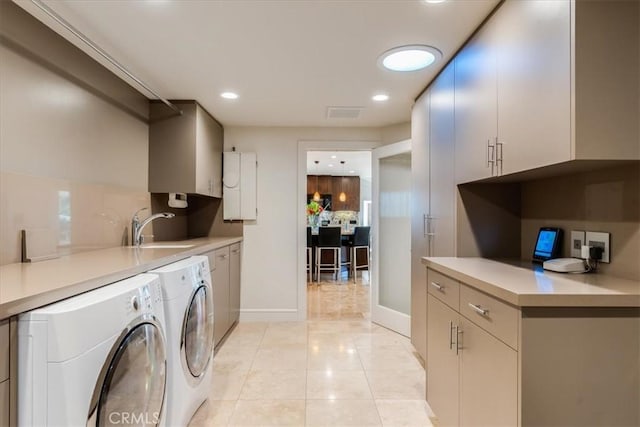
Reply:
x=360, y=241
x=329, y=239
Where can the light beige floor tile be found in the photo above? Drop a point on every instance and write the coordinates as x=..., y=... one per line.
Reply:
x=226, y=385
x=279, y=384
x=329, y=384
x=234, y=359
x=287, y=356
x=340, y=326
x=388, y=357
x=269, y=413
x=373, y=339
x=327, y=340
x=244, y=339
x=397, y=384
x=336, y=358
x=213, y=413
x=404, y=413
x=342, y=413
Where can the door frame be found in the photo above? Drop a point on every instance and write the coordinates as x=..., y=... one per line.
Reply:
x=384, y=316
x=303, y=148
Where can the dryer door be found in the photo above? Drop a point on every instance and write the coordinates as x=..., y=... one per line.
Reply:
x=131, y=386
x=197, y=332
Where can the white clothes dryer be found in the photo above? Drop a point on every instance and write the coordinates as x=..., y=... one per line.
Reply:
x=188, y=303
x=96, y=359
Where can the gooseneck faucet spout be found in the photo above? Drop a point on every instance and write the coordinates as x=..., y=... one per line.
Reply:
x=137, y=226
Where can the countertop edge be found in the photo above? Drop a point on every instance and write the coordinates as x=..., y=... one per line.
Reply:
x=47, y=297
x=522, y=300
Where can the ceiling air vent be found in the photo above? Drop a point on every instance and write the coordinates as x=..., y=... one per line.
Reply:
x=344, y=112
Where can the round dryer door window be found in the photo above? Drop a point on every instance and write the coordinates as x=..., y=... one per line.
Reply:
x=133, y=385
x=197, y=334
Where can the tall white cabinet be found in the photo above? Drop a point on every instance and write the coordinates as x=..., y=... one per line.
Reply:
x=433, y=191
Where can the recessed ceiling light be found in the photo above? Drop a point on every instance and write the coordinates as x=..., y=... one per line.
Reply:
x=229, y=95
x=334, y=156
x=330, y=165
x=352, y=171
x=409, y=58
x=434, y=1
x=380, y=97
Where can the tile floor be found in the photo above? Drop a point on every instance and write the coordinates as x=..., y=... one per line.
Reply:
x=336, y=369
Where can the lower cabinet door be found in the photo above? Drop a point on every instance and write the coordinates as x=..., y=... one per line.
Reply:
x=488, y=379
x=220, y=283
x=234, y=284
x=442, y=362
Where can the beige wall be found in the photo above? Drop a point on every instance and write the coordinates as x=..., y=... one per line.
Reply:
x=270, y=252
x=605, y=200
x=61, y=134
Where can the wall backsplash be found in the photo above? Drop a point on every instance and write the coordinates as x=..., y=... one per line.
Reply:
x=605, y=200
x=84, y=216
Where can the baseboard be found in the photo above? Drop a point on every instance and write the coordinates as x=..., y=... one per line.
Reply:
x=269, y=315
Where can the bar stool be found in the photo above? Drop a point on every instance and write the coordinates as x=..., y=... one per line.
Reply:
x=329, y=239
x=309, y=255
x=359, y=241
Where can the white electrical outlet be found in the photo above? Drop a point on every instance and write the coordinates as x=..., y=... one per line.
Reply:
x=577, y=240
x=602, y=240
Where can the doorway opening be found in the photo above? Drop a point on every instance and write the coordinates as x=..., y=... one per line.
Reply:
x=338, y=221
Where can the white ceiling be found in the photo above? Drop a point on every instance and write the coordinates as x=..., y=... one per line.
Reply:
x=287, y=59
x=357, y=161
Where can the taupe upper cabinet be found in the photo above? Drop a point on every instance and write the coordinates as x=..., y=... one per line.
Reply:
x=185, y=151
x=546, y=82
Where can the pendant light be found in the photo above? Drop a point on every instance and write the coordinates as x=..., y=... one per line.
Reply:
x=316, y=195
x=342, y=196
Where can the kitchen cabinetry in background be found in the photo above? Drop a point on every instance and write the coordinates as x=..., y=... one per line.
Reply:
x=540, y=85
x=433, y=191
x=351, y=187
x=185, y=151
x=240, y=182
x=225, y=276
x=333, y=185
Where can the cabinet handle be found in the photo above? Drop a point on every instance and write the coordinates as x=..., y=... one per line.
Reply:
x=223, y=256
x=437, y=286
x=491, y=148
x=479, y=310
x=499, y=152
x=451, y=327
x=458, y=333
x=235, y=251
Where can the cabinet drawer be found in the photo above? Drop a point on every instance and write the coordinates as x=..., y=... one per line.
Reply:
x=212, y=259
x=496, y=317
x=235, y=248
x=444, y=288
x=4, y=349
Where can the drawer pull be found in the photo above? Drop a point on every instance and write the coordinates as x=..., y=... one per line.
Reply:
x=479, y=310
x=235, y=251
x=223, y=256
x=451, y=327
x=437, y=286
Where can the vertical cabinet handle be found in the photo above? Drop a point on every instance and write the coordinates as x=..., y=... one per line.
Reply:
x=450, y=335
x=491, y=155
x=458, y=333
x=499, y=153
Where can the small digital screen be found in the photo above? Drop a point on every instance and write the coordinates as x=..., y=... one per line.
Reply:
x=545, y=244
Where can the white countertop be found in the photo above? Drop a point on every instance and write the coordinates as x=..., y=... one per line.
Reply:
x=527, y=285
x=25, y=286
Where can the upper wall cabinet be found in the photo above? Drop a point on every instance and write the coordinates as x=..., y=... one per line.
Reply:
x=185, y=151
x=542, y=83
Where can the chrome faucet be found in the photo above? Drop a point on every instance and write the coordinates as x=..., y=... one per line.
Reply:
x=137, y=226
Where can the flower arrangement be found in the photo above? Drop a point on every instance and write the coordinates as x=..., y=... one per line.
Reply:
x=314, y=208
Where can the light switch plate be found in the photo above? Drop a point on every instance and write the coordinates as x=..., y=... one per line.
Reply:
x=577, y=240
x=595, y=239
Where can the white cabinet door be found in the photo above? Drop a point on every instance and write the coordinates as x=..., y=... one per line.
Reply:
x=488, y=379
x=475, y=108
x=419, y=211
x=441, y=165
x=534, y=84
x=443, y=370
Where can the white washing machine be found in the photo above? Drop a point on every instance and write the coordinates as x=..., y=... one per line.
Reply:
x=96, y=359
x=188, y=304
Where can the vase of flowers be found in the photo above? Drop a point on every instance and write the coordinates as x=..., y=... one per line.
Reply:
x=313, y=214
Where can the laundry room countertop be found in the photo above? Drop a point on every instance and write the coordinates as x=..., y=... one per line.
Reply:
x=26, y=286
x=524, y=284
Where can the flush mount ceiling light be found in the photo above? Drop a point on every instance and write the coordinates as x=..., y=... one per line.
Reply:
x=409, y=58
x=380, y=97
x=229, y=95
x=434, y=1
